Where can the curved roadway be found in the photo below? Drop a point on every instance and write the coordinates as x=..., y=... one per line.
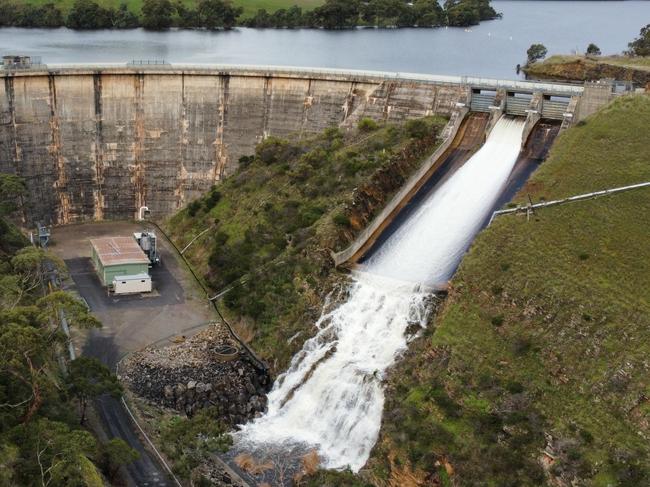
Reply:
x=177, y=307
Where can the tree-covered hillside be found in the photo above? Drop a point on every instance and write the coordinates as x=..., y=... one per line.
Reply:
x=272, y=224
x=224, y=14
x=44, y=395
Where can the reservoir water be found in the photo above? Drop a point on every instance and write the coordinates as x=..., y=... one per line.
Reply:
x=331, y=396
x=491, y=49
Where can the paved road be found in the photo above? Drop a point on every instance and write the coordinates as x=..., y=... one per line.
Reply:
x=130, y=322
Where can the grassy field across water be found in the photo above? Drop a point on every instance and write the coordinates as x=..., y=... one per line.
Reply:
x=589, y=68
x=250, y=6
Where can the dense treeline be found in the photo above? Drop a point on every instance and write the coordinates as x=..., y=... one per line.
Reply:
x=340, y=14
x=641, y=45
x=221, y=14
x=43, y=395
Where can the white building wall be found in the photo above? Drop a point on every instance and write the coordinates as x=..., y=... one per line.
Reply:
x=132, y=284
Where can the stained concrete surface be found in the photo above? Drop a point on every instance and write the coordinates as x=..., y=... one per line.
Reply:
x=99, y=144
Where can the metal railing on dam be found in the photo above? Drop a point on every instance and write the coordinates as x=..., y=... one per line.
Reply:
x=305, y=72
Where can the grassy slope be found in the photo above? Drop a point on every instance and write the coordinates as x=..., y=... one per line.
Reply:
x=546, y=331
x=250, y=6
x=627, y=61
x=589, y=68
x=264, y=206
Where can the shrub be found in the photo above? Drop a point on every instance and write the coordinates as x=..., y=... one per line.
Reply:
x=220, y=238
x=515, y=387
x=444, y=402
x=586, y=436
x=212, y=199
x=522, y=346
x=367, y=125
x=488, y=424
x=315, y=158
x=496, y=289
x=354, y=165
x=193, y=207
x=497, y=320
x=341, y=219
x=245, y=160
x=536, y=52
x=417, y=128
x=301, y=172
x=593, y=50
x=274, y=149
x=309, y=214
x=157, y=14
x=86, y=14
x=191, y=441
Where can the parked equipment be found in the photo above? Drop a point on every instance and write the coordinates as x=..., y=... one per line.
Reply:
x=148, y=243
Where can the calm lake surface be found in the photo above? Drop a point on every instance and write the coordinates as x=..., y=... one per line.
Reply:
x=491, y=49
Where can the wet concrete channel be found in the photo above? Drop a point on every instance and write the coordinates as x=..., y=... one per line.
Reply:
x=533, y=153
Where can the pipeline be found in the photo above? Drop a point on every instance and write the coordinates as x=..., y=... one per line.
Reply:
x=571, y=199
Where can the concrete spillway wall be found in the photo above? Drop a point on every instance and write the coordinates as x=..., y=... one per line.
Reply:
x=98, y=142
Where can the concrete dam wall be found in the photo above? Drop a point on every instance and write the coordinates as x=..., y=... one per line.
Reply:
x=97, y=143
x=100, y=144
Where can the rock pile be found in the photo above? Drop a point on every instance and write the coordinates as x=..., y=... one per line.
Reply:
x=194, y=375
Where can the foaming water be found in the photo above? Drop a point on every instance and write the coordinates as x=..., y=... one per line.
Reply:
x=331, y=396
x=429, y=244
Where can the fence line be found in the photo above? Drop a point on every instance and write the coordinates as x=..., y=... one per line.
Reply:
x=269, y=70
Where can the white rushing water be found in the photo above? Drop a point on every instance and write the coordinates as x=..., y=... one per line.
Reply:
x=331, y=396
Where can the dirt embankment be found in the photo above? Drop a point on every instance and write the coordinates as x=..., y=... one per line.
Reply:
x=587, y=69
x=372, y=196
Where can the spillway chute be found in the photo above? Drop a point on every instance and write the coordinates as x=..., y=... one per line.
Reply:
x=331, y=397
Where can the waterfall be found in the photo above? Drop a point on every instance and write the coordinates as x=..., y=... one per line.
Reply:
x=331, y=396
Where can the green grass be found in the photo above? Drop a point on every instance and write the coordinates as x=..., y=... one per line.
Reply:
x=581, y=68
x=570, y=358
x=627, y=61
x=250, y=6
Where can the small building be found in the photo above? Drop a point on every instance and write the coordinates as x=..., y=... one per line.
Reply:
x=121, y=263
x=136, y=283
x=20, y=62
